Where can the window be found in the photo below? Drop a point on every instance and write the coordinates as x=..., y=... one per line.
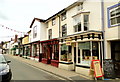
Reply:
x=53, y=22
x=86, y=22
x=114, y=15
x=50, y=34
x=66, y=53
x=63, y=16
x=55, y=54
x=77, y=27
x=80, y=7
x=84, y=52
x=35, y=32
x=64, y=30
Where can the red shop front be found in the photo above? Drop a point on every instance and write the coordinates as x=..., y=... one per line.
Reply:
x=50, y=52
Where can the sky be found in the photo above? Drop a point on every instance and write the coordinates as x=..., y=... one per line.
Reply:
x=18, y=14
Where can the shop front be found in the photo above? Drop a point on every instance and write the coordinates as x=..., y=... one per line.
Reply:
x=77, y=51
x=115, y=55
x=26, y=51
x=35, y=49
x=50, y=52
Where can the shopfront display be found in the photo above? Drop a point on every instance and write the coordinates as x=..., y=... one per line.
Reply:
x=87, y=53
x=50, y=52
x=66, y=54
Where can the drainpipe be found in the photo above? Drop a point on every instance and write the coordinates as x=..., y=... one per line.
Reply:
x=103, y=30
x=59, y=26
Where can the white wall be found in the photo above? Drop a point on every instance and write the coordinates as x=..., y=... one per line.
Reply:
x=41, y=31
x=94, y=17
x=111, y=33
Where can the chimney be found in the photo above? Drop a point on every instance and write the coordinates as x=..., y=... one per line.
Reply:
x=16, y=36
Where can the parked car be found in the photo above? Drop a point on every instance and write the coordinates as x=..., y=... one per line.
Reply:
x=5, y=71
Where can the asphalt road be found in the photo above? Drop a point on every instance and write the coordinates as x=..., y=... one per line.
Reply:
x=23, y=71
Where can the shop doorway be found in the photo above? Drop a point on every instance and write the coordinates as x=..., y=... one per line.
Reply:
x=115, y=55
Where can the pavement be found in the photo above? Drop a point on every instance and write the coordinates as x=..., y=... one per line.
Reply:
x=64, y=74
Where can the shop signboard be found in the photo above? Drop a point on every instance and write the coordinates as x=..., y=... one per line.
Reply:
x=108, y=67
x=95, y=65
x=68, y=43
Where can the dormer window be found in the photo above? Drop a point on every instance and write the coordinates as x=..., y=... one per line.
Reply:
x=63, y=16
x=80, y=7
x=53, y=21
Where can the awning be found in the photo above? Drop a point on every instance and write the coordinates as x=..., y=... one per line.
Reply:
x=13, y=48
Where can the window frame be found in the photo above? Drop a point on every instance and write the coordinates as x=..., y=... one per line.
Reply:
x=63, y=16
x=81, y=59
x=109, y=10
x=64, y=32
x=35, y=31
x=50, y=34
x=53, y=21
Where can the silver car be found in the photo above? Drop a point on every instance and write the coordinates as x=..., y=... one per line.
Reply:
x=5, y=71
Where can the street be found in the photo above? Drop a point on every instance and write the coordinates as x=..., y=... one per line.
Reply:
x=22, y=71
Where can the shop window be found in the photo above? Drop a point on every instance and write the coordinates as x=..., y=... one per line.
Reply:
x=84, y=52
x=44, y=51
x=55, y=53
x=64, y=30
x=66, y=53
x=114, y=15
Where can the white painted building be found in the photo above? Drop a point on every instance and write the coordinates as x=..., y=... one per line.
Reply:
x=38, y=33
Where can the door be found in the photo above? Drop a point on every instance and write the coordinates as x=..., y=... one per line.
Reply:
x=115, y=55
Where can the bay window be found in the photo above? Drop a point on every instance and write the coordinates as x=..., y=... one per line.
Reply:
x=81, y=22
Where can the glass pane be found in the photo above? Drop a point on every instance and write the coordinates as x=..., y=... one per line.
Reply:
x=79, y=27
x=113, y=13
x=2, y=59
x=118, y=19
x=85, y=45
x=118, y=11
x=113, y=21
x=86, y=18
x=85, y=26
x=75, y=28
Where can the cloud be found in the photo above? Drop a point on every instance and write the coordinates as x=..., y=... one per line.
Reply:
x=2, y=16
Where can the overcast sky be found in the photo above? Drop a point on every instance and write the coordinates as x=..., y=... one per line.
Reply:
x=18, y=14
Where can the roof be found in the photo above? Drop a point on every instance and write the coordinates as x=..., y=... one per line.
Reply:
x=40, y=20
x=65, y=9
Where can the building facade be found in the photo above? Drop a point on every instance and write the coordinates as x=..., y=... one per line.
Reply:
x=38, y=33
x=112, y=33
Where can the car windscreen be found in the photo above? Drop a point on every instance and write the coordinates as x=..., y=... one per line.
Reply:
x=2, y=59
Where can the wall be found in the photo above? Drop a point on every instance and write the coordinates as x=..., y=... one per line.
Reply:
x=55, y=28
x=25, y=40
x=94, y=17
x=112, y=33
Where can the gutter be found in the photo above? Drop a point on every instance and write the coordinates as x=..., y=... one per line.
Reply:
x=103, y=30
